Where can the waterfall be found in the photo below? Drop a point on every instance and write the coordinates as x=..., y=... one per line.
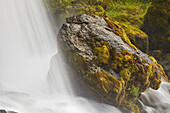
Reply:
x=33, y=76
x=26, y=45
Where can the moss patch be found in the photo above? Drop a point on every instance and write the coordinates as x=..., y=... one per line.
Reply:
x=129, y=15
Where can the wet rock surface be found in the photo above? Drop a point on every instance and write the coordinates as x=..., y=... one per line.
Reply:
x=105, y=66
x=3, y=111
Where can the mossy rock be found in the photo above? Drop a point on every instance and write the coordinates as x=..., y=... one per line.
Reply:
x=129, y=15
x=131, y=25
x=157, y=25
x=106, y=67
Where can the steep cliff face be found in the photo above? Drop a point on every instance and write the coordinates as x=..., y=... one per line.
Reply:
x=106, y=66
x=157, y=25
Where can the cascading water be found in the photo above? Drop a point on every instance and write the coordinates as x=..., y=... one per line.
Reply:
x=156, y=101
x=31, y=80
x=25, y=47
x=32, y=73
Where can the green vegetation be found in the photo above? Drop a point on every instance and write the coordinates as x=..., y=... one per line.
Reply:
x=137, y=77
x=125, y=18
x=129, y=14
x=134, y=90
x=127, y=7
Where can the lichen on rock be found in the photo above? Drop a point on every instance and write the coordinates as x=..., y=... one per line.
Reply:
x=106, y=66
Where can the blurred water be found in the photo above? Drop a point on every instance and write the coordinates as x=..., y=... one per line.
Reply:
x=156, y=101
x=27, y=43
x=32, y=73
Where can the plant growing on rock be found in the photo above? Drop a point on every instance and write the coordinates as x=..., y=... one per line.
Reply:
x=107, y=66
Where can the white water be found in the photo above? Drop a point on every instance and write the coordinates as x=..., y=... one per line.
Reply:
x=32, y=73
x=156, y=101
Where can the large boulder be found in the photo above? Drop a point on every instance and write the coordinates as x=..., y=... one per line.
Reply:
x=106, y=66
x=157, y=25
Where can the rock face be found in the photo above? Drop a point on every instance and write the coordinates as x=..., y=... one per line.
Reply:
x=157, y=25
x=106, y=67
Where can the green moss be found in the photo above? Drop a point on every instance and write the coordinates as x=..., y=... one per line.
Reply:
x=120, y=11
x=135, y=76
x=136, y=36
x=134, y=71
x=126, y=74
x=153, y=59
x=125, y=51
x=103, y=3
x=120, y=32
x=90, y=9
x=105, y=83
x=117, y=30
x=102, y=53
x=134, y=90
x=129, y=15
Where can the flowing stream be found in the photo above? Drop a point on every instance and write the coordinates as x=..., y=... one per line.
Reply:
x=33, y=76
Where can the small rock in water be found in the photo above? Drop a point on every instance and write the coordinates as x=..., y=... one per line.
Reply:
x=3, y=111
x=11, y=112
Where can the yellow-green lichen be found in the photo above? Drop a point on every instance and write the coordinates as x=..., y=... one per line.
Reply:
x=126, y=74
x=120, y=32
x=102, y=53
x=135, y=76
